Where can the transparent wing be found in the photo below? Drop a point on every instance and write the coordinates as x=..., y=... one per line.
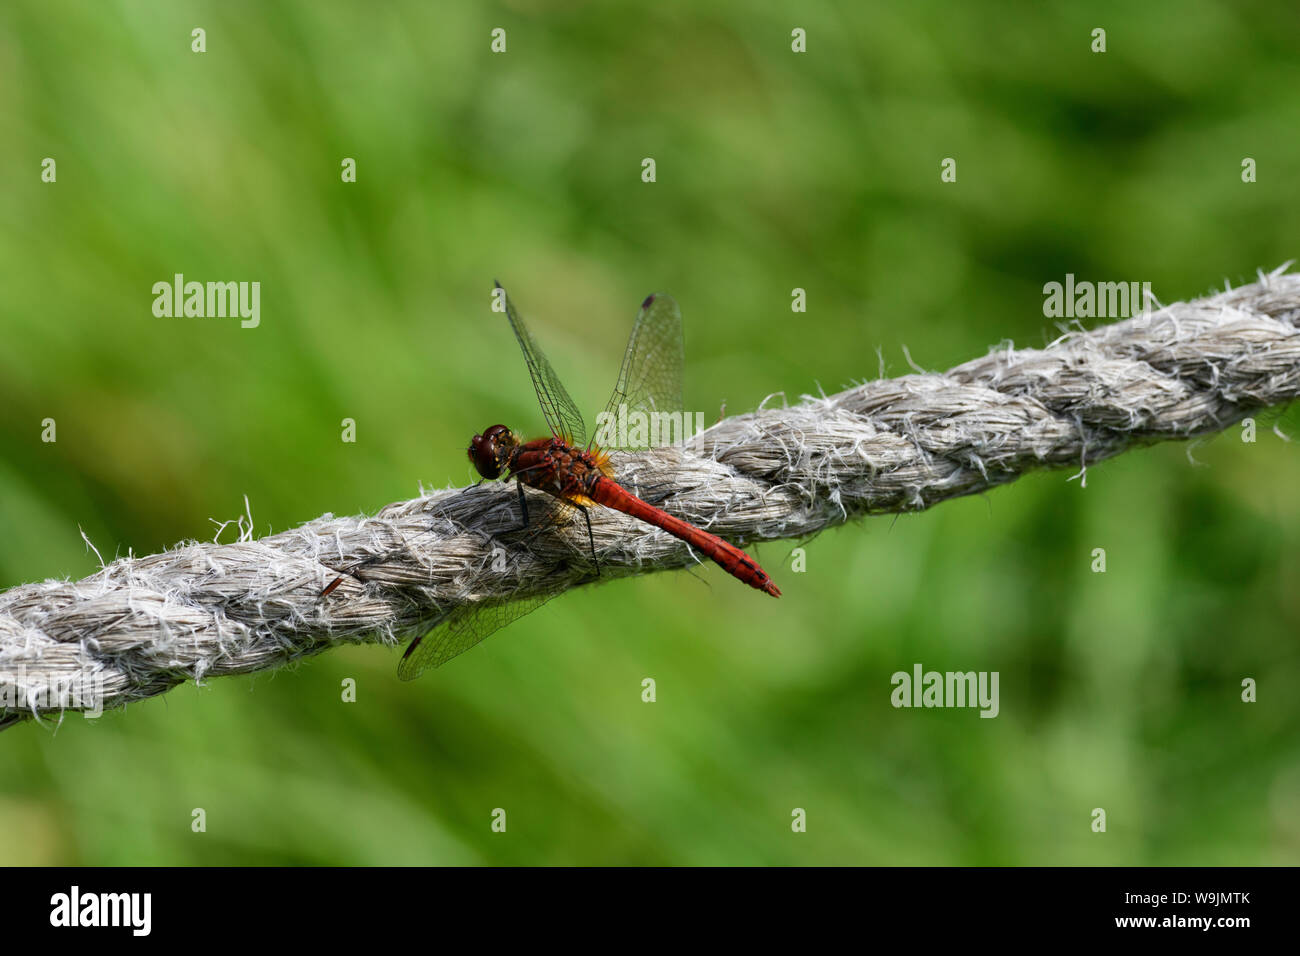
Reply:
x=561, y=413
x=460, y=631
x=646, y=407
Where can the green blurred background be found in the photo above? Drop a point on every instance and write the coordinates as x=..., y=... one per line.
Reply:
x=775, y=170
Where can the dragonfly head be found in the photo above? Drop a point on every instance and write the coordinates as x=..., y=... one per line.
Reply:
x=491, y=452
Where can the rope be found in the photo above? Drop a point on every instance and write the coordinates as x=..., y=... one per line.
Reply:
x=142, y=625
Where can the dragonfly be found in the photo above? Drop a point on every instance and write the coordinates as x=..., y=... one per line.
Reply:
x=577, y=471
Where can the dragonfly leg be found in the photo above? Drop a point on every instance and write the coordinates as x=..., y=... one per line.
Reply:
x=523, y=504
x=523, y=512
x=657, y=493
x=350, y=571
x=591, y=539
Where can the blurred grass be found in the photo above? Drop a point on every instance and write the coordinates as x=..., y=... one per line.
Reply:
x=774, y=171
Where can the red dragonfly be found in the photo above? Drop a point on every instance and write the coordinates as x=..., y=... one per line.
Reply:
x=576, y=471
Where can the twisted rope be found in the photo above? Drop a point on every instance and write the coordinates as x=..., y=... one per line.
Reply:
x=142, y=625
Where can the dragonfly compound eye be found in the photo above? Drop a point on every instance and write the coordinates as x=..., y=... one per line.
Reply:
x=490, y=452
x=483, y=453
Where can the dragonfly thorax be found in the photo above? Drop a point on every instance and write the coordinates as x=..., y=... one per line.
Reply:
x=491, y=452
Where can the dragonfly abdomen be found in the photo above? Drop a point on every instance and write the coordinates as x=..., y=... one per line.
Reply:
x=726, y=555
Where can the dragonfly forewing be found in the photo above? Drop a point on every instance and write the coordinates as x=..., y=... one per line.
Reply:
x=646, y=408
x=562, y=415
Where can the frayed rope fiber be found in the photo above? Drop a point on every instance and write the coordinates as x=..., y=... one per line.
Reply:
x=143, y=625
